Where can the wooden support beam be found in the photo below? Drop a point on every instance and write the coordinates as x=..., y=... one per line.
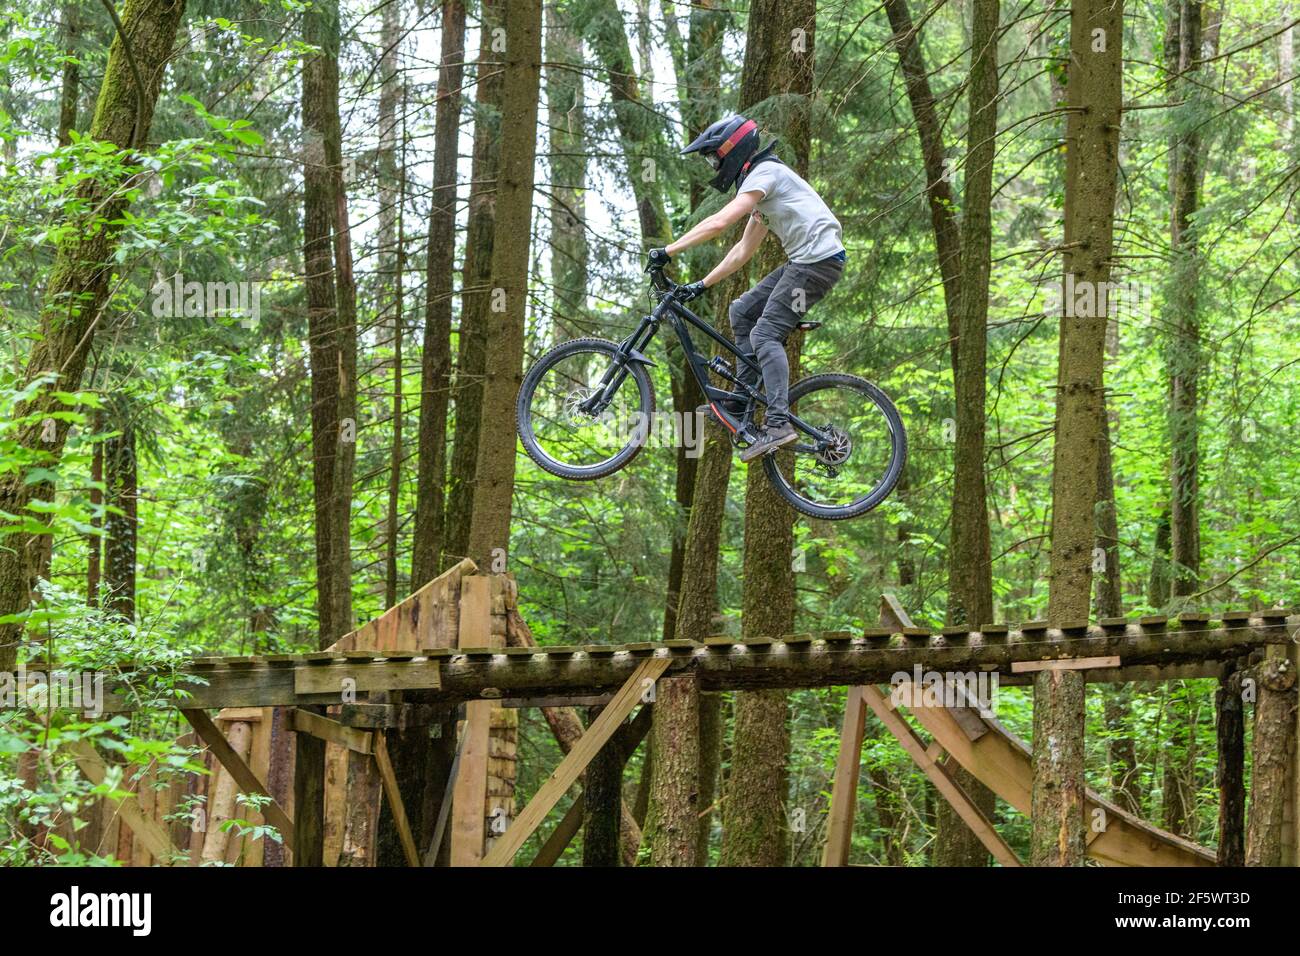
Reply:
x=562, y=835
x=444, y=805
x=1073, y=664
x=243, y=775
x=469, y=798
x=844, y=789
x=623, y=703
x=972, y=815
x=146, y=830
x=308, y=800
x=349, y=738
x=389, y=780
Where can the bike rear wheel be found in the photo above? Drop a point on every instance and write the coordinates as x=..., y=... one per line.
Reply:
x=556, y=423
x=850, y=452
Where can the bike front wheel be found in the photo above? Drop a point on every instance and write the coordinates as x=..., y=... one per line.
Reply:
x=582, y=412
x=850, y=452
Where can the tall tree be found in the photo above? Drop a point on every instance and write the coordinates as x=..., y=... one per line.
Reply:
x=1187, y=43
x=970, y=561
x=122, y=494
x=476, y=285
x=1094, y=86
x=392, y=258
x=1183, y=54
x=435, y=375
x=494, y=475
x=938, y=173
x=70, y=24
x=78, y=286
x=331, y=320
x=566, y=116
x=779, y=61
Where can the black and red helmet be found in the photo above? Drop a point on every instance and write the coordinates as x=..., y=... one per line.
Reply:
x=728, y=145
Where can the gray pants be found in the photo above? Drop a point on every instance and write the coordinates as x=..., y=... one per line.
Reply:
x=764, y=317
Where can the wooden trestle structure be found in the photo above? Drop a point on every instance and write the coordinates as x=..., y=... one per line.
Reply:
x=340, y=740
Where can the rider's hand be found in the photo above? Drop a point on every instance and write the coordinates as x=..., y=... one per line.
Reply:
x=657, y=259
x=693, y=291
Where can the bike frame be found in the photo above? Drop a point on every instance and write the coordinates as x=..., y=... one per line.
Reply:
x=631, y=350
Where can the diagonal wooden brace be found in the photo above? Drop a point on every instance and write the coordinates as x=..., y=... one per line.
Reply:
x=600, y=731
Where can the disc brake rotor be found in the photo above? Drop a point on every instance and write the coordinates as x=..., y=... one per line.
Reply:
x=573, y=402
x=836, y=450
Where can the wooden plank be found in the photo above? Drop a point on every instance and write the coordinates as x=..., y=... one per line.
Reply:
x=223, y=792
x=627, y=698
x=844, y=789
x=562, y=835
x=1064, y=664
x=259, y=761
x=366, y=677
x=469, y=796
x=389, y=780
x=145, y=829
x=972, y=815
x=308, y=800
x=425, y=619
x=243, y=775
x=349, y=738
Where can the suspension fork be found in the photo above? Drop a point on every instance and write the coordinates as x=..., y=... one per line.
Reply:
x=630, y=351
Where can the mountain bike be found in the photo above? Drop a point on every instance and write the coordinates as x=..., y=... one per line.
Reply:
x=848, y=457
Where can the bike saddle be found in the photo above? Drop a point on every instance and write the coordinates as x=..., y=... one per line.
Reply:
x=809, y=326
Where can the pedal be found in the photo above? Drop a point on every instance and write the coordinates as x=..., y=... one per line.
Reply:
x=808, y=326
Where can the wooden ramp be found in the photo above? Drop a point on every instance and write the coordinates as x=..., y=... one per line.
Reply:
x=1001, y=761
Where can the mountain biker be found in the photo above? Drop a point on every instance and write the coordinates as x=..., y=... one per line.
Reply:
x=773, y=197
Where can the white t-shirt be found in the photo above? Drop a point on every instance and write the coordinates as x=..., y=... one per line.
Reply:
x=807, y=229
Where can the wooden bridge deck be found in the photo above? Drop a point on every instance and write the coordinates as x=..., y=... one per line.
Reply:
x=1147, y=648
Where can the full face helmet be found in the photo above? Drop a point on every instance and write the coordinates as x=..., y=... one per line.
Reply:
x=728, y=146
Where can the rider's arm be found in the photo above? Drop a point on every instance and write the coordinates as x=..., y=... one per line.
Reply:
x=753, y=236
x=713, y=226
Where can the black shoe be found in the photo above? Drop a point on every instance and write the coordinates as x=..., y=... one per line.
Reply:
x=769, y=441
x=731, y=408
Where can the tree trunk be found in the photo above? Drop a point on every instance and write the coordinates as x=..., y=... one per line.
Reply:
x=602, y=800
x=71, y=90
x=566, y=117
x=638, y=127
x=476, y=285
x=755, y=828
x=121, y=482
x=435, y=371
x=699, y=78
x=77, y=289
x=1092, y=135
x=94, y=543
x=1274, y=757
x=1122, y=750
x=494, y=474
x=672, y=826
x=392, y=246
x=1175, y=744
x=970, y=562
x=1230, y=771
x=938, y=173
x=1182, y=59
x=331, y=318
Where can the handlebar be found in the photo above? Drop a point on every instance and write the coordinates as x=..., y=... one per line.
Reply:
x=660, y=281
